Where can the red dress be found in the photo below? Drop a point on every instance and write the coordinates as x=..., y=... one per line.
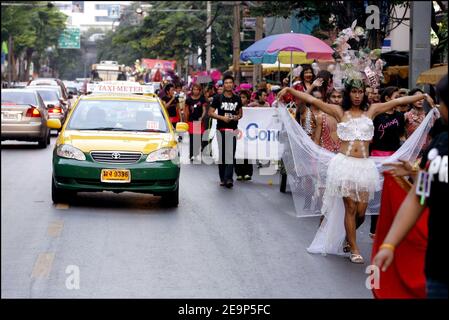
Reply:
x=326, y=140
x=405, y=277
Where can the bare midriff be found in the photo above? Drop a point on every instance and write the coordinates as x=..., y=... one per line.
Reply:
x=359, y=148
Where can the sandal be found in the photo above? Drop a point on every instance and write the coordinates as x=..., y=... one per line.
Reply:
x=356, y=258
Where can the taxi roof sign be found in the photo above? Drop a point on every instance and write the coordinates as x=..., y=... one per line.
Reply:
x=119, y=87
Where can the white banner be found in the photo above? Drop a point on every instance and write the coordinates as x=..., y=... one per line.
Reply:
x=258, y=137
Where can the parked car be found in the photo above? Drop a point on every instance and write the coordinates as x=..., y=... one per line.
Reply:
x=24, y=116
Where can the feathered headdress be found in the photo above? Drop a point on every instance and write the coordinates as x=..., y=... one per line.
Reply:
x=355, y=67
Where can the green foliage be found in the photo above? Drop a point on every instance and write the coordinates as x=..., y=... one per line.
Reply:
x=172, y=35
x=33, y=26
x=333, y=15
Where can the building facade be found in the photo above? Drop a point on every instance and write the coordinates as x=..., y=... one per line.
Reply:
x=92, y=14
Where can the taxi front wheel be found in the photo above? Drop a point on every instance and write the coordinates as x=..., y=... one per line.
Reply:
x=170, y=199
x=59, y=195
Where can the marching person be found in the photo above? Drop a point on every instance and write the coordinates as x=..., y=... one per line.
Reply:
x=229, y=112
x=196, y=108
x=351, y=174
x=389, y=130
x=171, y=103
x=244, y=171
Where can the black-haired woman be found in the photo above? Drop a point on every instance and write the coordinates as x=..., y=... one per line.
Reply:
x=389, y=129
x=351, y=175
x=416, y=115
x=171, y=103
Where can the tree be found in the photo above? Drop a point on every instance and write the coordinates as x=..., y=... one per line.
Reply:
x=439, y=26
x=335, y=16
x=34, y=27
x=173, y=34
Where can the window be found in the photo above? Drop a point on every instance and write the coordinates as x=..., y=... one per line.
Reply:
x=116, y=115
x=62, y=6
x=104, y=19
x=102, y=6
x=19, y=97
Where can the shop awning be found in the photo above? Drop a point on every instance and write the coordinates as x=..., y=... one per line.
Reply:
x=432, y=76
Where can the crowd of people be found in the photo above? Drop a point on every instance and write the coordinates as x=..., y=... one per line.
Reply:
x=357, y=124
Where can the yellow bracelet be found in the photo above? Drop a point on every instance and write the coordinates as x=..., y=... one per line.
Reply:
x=387, y=246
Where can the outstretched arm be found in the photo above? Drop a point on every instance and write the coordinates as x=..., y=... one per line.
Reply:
x=409, y=212
x=379, y=108
x=332, y=109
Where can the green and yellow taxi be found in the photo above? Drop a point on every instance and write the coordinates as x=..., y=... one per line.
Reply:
x=117, y=143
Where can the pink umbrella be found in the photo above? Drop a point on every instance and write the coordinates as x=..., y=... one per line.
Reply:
x=267, y=49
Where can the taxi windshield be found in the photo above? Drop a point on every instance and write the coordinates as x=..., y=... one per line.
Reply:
x=113, y=115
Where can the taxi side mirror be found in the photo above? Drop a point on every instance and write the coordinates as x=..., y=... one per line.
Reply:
x=182, y=127
x=54, y=124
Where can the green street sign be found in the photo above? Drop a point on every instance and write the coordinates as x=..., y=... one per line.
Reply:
x=70, y=39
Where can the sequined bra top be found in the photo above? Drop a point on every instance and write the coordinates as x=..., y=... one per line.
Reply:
x=361, y=128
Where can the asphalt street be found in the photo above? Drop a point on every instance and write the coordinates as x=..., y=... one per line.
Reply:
x=219, y=243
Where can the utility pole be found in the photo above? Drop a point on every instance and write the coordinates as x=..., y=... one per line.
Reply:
x=208, y=38
x=257, y=70
x=419, y=52
x=236, y=43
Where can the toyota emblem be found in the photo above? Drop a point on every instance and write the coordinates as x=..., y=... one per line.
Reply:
x=115, y=155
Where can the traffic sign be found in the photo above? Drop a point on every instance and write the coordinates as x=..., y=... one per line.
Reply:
x=70, y=39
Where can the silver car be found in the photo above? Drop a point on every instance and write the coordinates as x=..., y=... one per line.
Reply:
x=24, y=116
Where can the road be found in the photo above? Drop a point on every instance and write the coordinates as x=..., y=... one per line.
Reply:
x=219, y=243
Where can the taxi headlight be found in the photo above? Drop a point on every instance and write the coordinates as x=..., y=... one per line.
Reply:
x=163, y=154
x=67, y=151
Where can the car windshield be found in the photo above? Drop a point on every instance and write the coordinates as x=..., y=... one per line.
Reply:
x=19, y=97
x=113, y=115
x=52, y=88
x=48, y=95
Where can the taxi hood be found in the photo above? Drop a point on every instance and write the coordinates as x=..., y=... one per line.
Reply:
x=92, y=140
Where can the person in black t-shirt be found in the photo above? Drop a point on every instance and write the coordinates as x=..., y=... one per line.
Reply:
x=229, y=112
x=389, y=128
x=171, y=103
x=196, y=109
x=433, y=164
x=244, y=171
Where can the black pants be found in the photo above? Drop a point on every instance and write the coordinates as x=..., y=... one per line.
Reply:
x=374, y=218
x=226, y=148
x=243, y=169
x=195, y=143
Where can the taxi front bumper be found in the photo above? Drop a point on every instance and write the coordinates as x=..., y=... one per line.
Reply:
x=83, y=176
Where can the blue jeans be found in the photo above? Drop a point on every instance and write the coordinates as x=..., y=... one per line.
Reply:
x=436, y=289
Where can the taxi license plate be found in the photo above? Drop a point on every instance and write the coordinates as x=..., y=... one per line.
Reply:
x=115, y=175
